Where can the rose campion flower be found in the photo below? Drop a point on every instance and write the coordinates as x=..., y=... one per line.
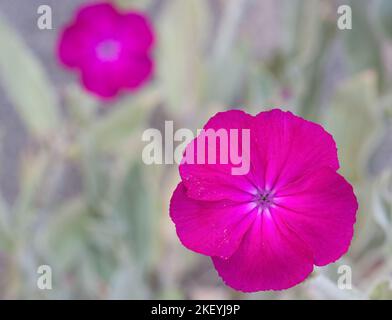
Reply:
x=265, y=230
x=111, y=49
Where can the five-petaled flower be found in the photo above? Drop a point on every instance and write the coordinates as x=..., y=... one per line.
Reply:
x=111, y=49
x=265, y=230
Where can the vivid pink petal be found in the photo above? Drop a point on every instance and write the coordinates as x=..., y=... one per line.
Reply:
x=136, y=71
x=110, y=48
x=270, y=257
x=289, y=212
x=320, y=208
x=210, y=228
x=101, y=78
x=106, y=78
x=136, y=32
x=209, y=181
x=101, y=18
x=289, y=147
x=75, y=37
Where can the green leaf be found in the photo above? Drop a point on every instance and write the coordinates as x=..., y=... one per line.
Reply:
x=385, y=17
x=66, y=234
x=134, y=211
x=304, y=29
x=95, y=174
x=368, y=236
x=81, y=105
x=226, y=79
x=262, y=86
x=26, y=84
x=120, y=124
x=382, y=291
x=128, y=282
x=182, y=31
x=314, y=72
x=363, y=47
x=5, y=214
x=5, y=230
x=325, y=288
x=352, y=120
x=382, y=202
x=133, y=4
x=33, y=172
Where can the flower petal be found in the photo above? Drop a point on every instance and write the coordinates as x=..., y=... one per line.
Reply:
x=214, y=180
x=210, y=228
x=320, y=208
x=75, y=37
x=101, y=78
x=136, y=71
x=107, y=78
x=270, y=257
x=110, y=48
x=101, y=18
x=136, y=32
x=289, y=147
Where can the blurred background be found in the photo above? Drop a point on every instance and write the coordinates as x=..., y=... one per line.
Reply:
x=75, y=194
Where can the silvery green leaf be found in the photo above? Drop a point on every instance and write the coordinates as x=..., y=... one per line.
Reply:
x=5, y=228
x=304, y=30
x=32, y=174
x=262, y=86
x=368, y=237
x=134, y=210
x=81, y=105
x=362, y=43
x=66, y=234
x=385, y=17
x=182, y=32
x=323, y=288
x=127, y=283
x=122, y=122
x=94, y=173
x=382, y=291
x=382, y=202
x=133, y=4
x=226, y=81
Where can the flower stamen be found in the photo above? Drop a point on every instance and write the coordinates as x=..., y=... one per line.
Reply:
x=108, y=50
x=264, y=199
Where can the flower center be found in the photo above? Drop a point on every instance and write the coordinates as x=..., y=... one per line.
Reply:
x=263, y=199
x=108, y=50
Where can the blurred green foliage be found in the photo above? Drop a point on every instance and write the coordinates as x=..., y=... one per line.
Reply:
x=113, y=238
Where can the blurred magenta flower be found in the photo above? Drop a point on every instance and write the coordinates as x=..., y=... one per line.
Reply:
x=266, y=229
x=111, y=49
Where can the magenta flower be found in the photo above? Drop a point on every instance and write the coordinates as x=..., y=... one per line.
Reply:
x=265, y=230
x=111, y=49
